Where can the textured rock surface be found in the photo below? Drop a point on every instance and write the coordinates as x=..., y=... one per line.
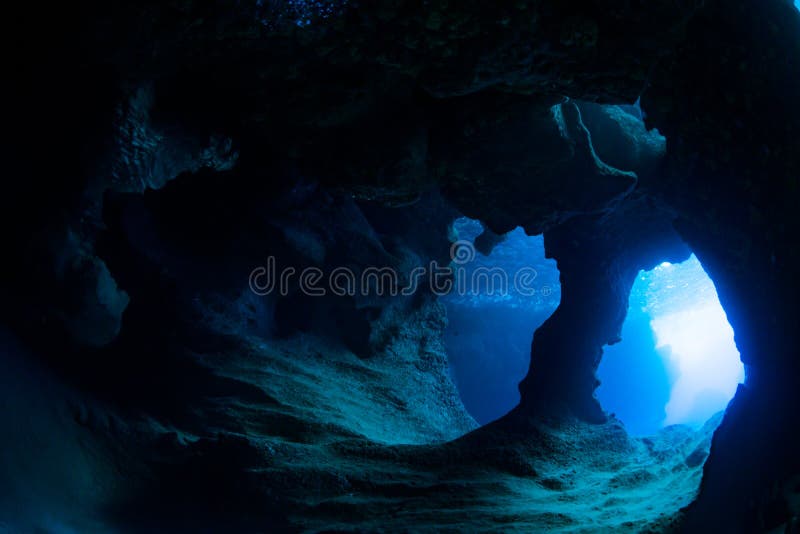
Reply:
x=598, y=258
x=283, y=437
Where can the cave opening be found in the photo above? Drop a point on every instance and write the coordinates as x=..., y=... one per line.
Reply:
x=677, y=362
x=500, y=299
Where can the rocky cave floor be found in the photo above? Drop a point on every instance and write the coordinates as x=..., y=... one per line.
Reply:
x=355, y=468
x=326, y=441
x=302, y=434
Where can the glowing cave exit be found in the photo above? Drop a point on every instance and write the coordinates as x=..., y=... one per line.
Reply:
x=677, y=362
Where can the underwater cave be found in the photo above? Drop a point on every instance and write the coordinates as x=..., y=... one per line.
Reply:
x=396, y=266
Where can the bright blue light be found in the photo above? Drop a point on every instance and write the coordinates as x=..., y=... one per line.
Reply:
x=692, y=347
x=703, y=351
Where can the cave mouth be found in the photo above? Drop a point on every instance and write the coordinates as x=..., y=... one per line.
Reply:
x=499, y=300
x=677, y=362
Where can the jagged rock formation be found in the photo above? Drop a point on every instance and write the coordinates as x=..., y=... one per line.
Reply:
x=163, y=150
x=599, y=258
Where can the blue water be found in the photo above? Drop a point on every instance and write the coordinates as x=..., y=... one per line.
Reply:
x=677, y=362
x=489, y=335
x=518, y=255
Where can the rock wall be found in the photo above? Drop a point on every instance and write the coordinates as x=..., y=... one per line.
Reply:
x=599, y=258
x=732, y=173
